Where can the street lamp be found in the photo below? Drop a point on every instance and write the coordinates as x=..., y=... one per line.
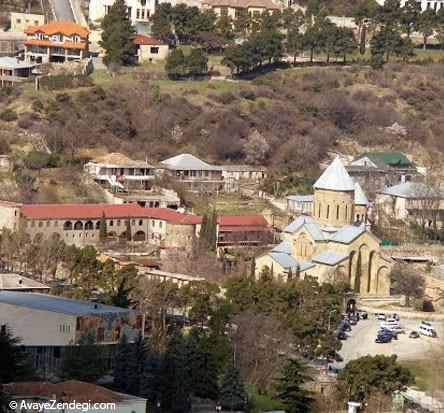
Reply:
x=329, y=318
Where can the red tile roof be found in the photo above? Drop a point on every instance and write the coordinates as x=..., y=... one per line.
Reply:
x=243, y=223
x=67, y=391
x=49, y=43
x=59, y=27
x=95, y=211
x=146, y=40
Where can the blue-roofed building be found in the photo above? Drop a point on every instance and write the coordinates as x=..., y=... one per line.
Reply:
x=333, y=243
x=46, y=324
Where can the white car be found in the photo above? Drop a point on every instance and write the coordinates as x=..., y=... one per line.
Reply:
x=396, y=329
x=390, y=322
x=427, y=330
x=380, y=316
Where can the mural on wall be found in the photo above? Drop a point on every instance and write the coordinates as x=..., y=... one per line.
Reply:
x=110, y=327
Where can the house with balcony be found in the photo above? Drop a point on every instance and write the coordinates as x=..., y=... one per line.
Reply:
x=194, y=174
x=56, y=42
x=13, y=71
x=118, y=172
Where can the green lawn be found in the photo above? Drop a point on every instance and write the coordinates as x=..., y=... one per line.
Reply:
x=260, y=402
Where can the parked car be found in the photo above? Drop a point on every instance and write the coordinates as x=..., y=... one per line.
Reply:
x=345, y=326
x=399, y=329
x=390, y=322
x=392, y=334
x=394, y=316
x=426, y=323
x=353, y=321
x=427, y=330
x=414, y=334
x=380, y=316
x=383, y=338
x=340, y=335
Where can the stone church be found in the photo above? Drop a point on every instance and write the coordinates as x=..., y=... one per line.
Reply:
x=333, y=243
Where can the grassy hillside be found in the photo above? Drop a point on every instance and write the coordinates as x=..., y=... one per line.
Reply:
x=289, y=120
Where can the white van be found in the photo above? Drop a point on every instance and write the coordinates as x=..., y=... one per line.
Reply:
x=427, y=330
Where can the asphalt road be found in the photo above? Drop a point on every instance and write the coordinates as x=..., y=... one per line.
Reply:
x=361, y=342
x=62, y=10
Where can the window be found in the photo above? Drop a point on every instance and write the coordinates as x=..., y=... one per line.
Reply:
x=143, y=14
x=133, y=222
x=154, y=50
x=160, y=224
x=319, y=211
x=18, y=21
x=328, y=211
x=153, y=223
x=346, y=211
x=111, y=223
x=140, y=222
x=137, y=14
x=224, y=11
x=118, y=222
x=48, y=223
x=337, y=211
x=40, y=224
x=76, y=39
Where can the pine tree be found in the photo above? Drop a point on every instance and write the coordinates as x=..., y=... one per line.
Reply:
x=120, y=371
x=362, y=40
x=103, y=231
x=149, y=377
x=14, y=364
x=135, y=365
x=128, y=234
x=204, y=365
x=176, y=65
x=83, y=362
x=117, y=36
x=289, y=390
x=232, y=393
x=176, y=380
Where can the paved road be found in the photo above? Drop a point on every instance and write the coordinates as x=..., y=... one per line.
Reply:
x=62, y=10
x=361, y=342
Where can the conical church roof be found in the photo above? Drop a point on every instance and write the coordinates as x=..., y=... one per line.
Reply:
x=360, y=198
x=335, y=178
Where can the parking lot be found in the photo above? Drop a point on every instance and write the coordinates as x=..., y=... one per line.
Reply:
x=361, y=342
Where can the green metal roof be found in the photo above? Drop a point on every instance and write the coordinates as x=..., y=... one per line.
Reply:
x=386, y=159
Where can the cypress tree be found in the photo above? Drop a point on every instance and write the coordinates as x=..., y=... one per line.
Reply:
x=103, y=231
x=149, y=377
x=128, y=234
x=362, y=40
x=120, y=371
x=117, y=36
x=135, y=365
x=203, y=233
x=232, y=393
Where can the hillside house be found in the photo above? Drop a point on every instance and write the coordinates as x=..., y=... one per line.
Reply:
x=194, y=174
x=435, y=5
x=17, y=282
x=120, y=173
x=233, y=8
x=251, y=229
x=331, y=244
x=300, y=204
x=56, y=42
x=150, y=49
x=21, y=21
x=412, y=201
x=14, y=71
x=234, y=175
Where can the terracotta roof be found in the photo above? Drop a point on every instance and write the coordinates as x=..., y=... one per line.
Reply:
x=59, y=27
x=67, y=391
x=49, y=43
x=244, y=4
x=243, y=223
x=95, y=211
x=147, y=40
x=118, y=159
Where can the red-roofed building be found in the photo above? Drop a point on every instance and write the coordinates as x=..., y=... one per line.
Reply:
x=251, y=229
x=56, y=41
x=79, y=224
x=150, y=49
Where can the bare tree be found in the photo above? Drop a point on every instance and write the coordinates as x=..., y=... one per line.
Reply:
x=407, y=281
x=256, y=148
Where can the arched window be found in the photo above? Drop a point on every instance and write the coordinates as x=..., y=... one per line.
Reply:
x=89, y=225
x=346, y=212
x=98, y=225
x=111, y=223
x=78, y=226
x=118, y=222
x=67, y=226
x=319, y=211
x=140, y=222
x=337, y=212
x=139, y=236
x=328, y=211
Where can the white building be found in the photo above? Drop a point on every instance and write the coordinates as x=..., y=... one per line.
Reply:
x=17, y=282
x=427, y=4
x=46, y=324
x=300, y=204
x=139, y=11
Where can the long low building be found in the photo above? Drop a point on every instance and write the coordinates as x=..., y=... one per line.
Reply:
x=46, y=324
x=79, y=224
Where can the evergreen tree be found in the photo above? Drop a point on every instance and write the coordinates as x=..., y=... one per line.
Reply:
x=289, y=387
x=197, y=63
x=14, y=364
x=410, y=16
x=103, y=231
x=294, y=44
x=83, y=362
x=204, y=366
x=242, y=24
x=426, y=24
x=161, y=27
x=128, y=234
x=117, y=36
x=232, y=393
x=149, y=377
x=135, y=365
x=121, y=369
x=176, y=65
x=362, y=40
x=358, y=273
x=224, y=28
x=176, y=379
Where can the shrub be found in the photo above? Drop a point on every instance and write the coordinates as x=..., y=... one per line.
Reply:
x=247, y=94
x=58, y=82
x=8, y=115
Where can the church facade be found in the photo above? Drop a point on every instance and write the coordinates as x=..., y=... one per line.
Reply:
x=333, y=244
